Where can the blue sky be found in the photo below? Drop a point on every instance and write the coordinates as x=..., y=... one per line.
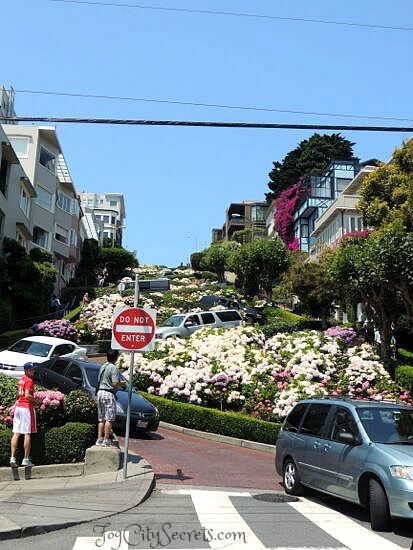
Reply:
x=178, y=181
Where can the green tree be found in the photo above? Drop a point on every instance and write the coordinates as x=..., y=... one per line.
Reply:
x=244, y=236
x=259, y=264
x=216, y=257
x=196, y=258
x=311, y=283
x=86, y=271
x=116, y=260
x=310, y=155
x=387, y=193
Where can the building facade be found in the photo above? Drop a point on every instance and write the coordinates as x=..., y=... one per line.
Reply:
x=109, y=209
x=242, y=215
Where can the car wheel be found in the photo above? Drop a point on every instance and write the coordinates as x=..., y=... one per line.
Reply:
x=291, y=478
x=379, y=507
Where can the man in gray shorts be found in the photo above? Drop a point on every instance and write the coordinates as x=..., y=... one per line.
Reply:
x=109, y=381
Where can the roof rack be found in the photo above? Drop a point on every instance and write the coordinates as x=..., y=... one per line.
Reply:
x=348, y=397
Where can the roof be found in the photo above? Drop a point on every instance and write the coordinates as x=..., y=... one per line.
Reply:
x=51, y=340
x=339, y=400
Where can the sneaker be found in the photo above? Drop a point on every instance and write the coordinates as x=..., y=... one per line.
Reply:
x=107, y=443
x=13, y=462
x=27, y=462
x=99, y=442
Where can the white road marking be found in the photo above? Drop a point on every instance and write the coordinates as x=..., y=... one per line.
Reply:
x=218, y=516
x=110, y=541
x=190, y=491
x=341, y=527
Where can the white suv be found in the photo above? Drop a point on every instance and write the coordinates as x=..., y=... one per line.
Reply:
x=184, y=324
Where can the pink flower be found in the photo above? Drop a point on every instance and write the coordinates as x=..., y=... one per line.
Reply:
x=42, y=407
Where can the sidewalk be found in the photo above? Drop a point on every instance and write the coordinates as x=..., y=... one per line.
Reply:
x=33, y=506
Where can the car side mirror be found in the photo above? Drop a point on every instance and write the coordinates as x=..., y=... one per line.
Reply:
x=347, y=438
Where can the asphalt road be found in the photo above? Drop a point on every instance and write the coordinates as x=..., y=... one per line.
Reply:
x=186, y=460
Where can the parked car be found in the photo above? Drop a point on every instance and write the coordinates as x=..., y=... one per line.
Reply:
x=36, y=349
x=184, y=324
x=250, y=314
x=357, y=450
x=69, y=374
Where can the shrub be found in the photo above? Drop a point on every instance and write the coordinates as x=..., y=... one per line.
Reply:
x=8, y=338
x=404, y=376
x=280, y=325
x=209, y=276
x=5, y=436
x=51, y=411
x=213, y=421
x=405, y=356
x=104, y=345
x=80, y=407
x=8, y=391
x=58, y=328
x=348, y=335
x=73, y=314
x=68, y=443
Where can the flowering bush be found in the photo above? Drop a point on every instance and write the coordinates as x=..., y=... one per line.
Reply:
x=59, y=328
x=348, y=335
x=238, y=369
x=285, y=207
x=50, y=412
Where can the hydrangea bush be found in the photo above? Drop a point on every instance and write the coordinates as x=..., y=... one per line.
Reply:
x=59, y=328
x=347, y=335
x=238, y=369
x=50, y=412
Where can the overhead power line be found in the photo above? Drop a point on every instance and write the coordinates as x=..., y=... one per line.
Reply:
x=209, y=124
x=214, y=105
x=234, y=14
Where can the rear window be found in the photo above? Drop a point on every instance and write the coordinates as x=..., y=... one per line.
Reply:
x=315, y=419
x=228, y=316
x=294, y=418
x=207, y=318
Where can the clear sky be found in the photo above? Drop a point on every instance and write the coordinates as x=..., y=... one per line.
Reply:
x=178, y=182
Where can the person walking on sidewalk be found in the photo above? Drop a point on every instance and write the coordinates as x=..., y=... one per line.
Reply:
x=24, y=420
x=109, y=381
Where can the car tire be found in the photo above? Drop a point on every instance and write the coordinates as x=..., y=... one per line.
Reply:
x=291, y=479
x=380, y=519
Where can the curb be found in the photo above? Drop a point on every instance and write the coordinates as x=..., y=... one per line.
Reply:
x=147, y=485
x=245, y=443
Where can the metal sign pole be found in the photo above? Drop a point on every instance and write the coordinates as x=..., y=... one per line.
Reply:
x=132, y=359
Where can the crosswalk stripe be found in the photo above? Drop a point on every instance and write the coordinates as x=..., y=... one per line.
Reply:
x=108, y=541
x=341, y=527
x=218, y=515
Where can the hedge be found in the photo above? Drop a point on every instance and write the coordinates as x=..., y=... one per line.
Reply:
x=405, y=356
x=61, y=445
x=404, y=376
x=214, y=421
x=8, y=338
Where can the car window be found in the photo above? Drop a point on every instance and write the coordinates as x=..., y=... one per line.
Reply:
x=228, y=315
x=315, y=419
x=293, y=420
x=192, y=319
x=31, y=348
x=173, y=321
x=59, y=366
x=207, y=318
x=343, y=422
x=62, y=349
x=387, y=425
x=74, y=372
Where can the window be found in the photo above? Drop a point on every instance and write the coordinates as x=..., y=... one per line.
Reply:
x=105, y=235
x=294, y=418
x=228, y=316
x=47, y=160
x=105, y=219
x=192, y=319
x=44, y=198
x=304, y=231
x=61, y=234
x=207, y=318
x=113, y=203
x=75, y=207
x=24, y=200
x=63, y=349
x=90, y=202
x=20, y=238
x=101, y=201
x=40, y=237
x=64, y=202
x=257, y=213
x=343, y=422
x=72, y=237
x=315, y=419
x=4, y=170
x=113, y=220
x=74, y=372
x=21, y=146
x=59, y=366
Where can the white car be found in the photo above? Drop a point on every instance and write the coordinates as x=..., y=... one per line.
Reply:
x=36, y=349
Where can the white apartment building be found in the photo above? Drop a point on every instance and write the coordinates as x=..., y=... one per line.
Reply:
x=55, y=211
x=109, y=209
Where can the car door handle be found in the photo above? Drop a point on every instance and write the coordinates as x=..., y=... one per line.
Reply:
x=326, y=447
x=316, y=444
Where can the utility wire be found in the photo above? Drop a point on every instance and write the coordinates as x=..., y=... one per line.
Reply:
x=235, y=14
x=207, y=124
x=215, y=105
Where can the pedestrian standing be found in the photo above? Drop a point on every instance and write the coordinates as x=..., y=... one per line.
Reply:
x=109, y=381
x=86, y=299
x=24, y=420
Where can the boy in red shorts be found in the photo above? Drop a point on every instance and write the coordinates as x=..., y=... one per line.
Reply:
x=24, y=421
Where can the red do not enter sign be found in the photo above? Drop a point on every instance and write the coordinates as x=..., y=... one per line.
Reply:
x=133, y=328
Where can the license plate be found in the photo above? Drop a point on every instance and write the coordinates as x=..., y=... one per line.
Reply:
x=141, y=424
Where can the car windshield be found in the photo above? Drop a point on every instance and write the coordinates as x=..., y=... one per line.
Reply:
x=31, y=348
x=388, y=425
x=173, y=321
